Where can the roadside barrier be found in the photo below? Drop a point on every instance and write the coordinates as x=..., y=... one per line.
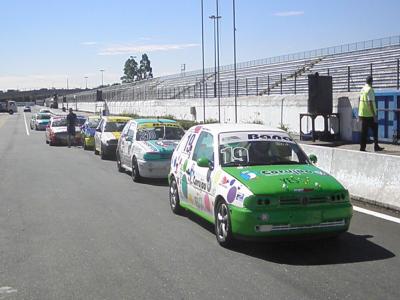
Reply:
x=369, y=177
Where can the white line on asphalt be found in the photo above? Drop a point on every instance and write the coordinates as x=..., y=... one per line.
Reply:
x=376, y=214
x=7, y=290
x=26, y=125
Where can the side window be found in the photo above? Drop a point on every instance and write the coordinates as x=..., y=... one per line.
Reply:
x=131, y=130
x=125, y=130
x=204, y=147
x=100, y=126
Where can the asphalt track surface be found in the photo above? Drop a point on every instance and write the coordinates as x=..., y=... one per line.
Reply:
x=72, y=227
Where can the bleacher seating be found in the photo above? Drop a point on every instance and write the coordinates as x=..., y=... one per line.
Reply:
x=348, y=65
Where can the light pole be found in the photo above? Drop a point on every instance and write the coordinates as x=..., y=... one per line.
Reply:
x=86, y=78
x=202, y=56
x=214, y=18
x=102, y=72
x=218, y=83
x=234, y=56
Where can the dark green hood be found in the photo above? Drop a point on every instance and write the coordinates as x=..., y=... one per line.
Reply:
x=284, y=179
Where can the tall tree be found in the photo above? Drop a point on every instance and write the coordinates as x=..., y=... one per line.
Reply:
x=131, y=71
x=145, y=69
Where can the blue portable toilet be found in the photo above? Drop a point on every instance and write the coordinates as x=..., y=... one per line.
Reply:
x=387, y=104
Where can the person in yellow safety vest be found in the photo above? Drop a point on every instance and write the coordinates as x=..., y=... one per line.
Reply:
x=368, y=115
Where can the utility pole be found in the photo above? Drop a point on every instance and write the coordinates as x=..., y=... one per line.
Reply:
x=86, y=78
x=102, y=71
x=234, y=55
x=202, y=55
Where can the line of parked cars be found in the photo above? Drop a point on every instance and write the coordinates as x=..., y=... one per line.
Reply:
x=250, y=181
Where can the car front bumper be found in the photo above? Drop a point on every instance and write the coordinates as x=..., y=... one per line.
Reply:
x=89, y=141
x=40, y=126
x=62, y=139
x=154, y=168
x=290, y=222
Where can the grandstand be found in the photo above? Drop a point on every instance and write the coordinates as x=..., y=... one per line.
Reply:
x=347, y=64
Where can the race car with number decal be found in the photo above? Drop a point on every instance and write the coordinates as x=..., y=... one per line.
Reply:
x=146, y=146
x=88, y=131
x=107, y=135
x=253, y=183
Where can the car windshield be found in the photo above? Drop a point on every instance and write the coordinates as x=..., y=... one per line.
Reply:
x=59, y=122
x=114, y=126
x=159, y=133
x=273, y=151
x=93, y=123
x=43, y=117
x=80, y=121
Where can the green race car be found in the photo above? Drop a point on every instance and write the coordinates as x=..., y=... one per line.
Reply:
x=255, y=183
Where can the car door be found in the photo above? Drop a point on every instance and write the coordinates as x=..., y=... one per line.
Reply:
x=97, y=135
x=200, y=182
x=126, y=143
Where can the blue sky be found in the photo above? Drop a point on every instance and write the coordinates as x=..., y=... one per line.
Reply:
x=45, y=42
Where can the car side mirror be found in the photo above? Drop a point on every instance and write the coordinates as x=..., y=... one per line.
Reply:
x=203, y=162
x=313, y=158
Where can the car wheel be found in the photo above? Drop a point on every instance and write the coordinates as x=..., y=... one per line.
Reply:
x=223, y=229
x=102, y=152
x=47, y=141
x=135, y=171
x=85, y=147
x=119, y=164
x=51, y=143
x=174, y=197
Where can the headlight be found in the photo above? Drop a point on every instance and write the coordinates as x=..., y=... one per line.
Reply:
x=151, y=156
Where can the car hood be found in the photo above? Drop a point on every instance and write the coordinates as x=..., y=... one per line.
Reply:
x=90, y=131
x=284, y=178
x=107, y=136
x=163, y=146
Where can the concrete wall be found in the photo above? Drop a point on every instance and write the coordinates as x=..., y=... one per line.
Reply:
x=267, y=109
x=371, y=177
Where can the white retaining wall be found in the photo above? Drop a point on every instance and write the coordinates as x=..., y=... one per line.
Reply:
x=266, y=109
x=370, y=177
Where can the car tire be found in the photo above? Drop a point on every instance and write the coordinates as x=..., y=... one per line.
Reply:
x=51, y=143
x=119, y=164
x=102, y=152
x=174, y=198
x=11, y=112
x=223, y=228
x=47, y=141
x=85, y=147
x=135, y=171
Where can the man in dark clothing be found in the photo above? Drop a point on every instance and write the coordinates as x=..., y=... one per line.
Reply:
x=71, y=123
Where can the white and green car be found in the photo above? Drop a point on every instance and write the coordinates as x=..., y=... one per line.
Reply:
x=146, y=146
x=253, y=182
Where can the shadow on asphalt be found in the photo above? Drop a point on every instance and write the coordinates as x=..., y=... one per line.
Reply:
x=347, y=248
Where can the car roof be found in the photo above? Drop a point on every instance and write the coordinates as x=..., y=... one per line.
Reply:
x=218, y=128
x=116, y=118
x=152, y=120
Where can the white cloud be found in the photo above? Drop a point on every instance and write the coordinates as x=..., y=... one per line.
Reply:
x=288, y=13
x=88, y=43
x=37, y=81
x=127, y=49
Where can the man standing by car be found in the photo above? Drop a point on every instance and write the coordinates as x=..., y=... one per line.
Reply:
x=71, y=123
x=368, y=115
